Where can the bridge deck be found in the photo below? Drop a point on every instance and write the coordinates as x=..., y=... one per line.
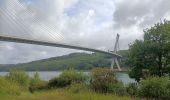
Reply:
x=45, y=43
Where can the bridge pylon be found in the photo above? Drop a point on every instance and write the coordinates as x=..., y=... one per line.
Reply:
x=115, y=59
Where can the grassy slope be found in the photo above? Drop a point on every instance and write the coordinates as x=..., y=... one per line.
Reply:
x=80, y=61
x=64, y=95
x=10, y=87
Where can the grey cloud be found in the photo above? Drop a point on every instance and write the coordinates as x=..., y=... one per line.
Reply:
x=27, y=21
x=142, y=13
x=92, y=26
x=15, y=53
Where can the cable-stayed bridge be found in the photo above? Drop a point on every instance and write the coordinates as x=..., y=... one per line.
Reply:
x=17, y=25
x=114, y=55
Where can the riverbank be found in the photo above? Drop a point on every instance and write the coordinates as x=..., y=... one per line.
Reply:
x=70, y=85
x=64, y=94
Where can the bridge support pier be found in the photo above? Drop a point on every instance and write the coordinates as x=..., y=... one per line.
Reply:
x=115, y=61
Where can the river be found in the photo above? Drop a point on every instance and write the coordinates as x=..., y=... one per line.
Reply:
x=47, y=75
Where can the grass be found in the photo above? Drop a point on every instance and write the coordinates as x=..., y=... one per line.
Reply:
x=12, y=90
x=63, y=94
x=10, y=87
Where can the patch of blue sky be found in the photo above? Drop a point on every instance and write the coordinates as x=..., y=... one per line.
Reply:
x=38, y=4
x=28, y=1
x=2, y=3
x=75, y=9
x=103, y=10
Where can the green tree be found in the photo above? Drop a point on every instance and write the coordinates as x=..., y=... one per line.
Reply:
x=152, y=53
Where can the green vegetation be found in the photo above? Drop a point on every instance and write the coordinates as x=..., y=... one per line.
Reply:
x=103, y=80
x=151, y=56
x=102, y=86
x=37, y=84
x=36, y=79
x=19, y=76
x=76, y=89
x=10, y=87
x=67, y=78
x=155, y=88
x=132, y=89
x=79, y=61
x=63, y=94
x=149, y=60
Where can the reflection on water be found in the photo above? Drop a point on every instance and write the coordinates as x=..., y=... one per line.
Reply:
x=47, y=75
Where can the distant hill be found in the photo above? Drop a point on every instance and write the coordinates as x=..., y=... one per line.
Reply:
x=80, y=61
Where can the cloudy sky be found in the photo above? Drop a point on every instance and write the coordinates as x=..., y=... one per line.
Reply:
x=89, y=23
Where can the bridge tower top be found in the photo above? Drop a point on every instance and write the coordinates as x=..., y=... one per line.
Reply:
x=116, y=48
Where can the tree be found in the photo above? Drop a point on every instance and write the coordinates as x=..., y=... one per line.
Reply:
x=152, y=53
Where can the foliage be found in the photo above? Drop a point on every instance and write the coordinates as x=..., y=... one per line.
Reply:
x=103, y=80
x=79, y=61
x=66, y=78
x=117, y=89
x=155, y=88
x=37, y=84
x=152, y=53
x=136, y=73
x=9, y=87
x=167, y=70
x=36, y=79
x=19, y=76
x=132, y=89
x=78, y=87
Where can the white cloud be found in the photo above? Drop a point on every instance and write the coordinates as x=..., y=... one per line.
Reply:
x=90, y=23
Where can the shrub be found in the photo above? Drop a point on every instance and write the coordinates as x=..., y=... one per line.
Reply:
x=155, y=88
x=9, y=87
x=117, y=89
x=103, y=80
x=36, y=79
x=57, y=82
x=37, y=84
x=131, y=89
x=20, y=77
x=66, y=78
x=78, y=87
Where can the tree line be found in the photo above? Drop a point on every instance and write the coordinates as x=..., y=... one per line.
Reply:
x=151, y=56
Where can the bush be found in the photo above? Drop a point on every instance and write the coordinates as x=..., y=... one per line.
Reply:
x=78, y=87
x=66, y=78
x=103, y=80
x=35, y=80
x=20, y=77
x=9, y=87
x=117, y=89
x=155, y=88
x=37, y=84
x=132, y=89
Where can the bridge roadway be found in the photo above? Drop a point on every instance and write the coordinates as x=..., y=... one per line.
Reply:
x=46, y=43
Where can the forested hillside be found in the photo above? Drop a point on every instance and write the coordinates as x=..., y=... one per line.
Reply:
x=80, y=61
